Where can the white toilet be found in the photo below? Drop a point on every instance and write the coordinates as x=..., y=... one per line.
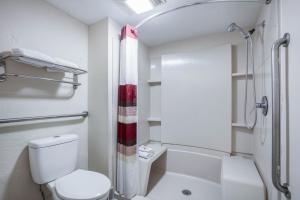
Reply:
x=53, y=162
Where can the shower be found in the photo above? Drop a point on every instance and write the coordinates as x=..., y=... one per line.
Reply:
x=234, y=27
x=247, y=36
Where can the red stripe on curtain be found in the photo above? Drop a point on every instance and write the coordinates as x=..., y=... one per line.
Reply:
x=129, y=31
x=127, y=95
x=127, y=134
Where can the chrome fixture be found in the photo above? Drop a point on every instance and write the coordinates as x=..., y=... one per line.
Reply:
x=247, y=36
x=24, y=119
x=264, y=105
x=276, y=134
x=234, y=27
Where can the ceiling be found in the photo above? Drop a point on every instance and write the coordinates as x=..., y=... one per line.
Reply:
x=177, y=25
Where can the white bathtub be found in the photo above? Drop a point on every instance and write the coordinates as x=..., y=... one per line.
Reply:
x=199, y=171
x=191, y=161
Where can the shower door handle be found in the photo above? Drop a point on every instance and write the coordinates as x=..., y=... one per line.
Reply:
x=276, y=166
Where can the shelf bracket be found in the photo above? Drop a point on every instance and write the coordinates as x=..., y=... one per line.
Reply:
x=75, y=80
x=2, y=71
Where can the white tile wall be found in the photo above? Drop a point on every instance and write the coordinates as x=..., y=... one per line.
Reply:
x=242, y=139
x=143, y=94
x=155, y=98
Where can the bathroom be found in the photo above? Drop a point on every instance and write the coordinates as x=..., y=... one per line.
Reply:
x=149, y=99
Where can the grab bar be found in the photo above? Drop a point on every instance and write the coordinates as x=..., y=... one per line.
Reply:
x=23, y=119
x=276, y=166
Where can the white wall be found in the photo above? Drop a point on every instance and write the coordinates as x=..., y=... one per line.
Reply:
x=242, y=138
x=103, y=67
x=114, y=31
x=290, y=12
x=98, y=101
x=143, y=94
x=192, y=113
x=263, y=40
x=36, y=25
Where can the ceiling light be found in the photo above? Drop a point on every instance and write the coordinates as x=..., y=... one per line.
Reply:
x=141, y=6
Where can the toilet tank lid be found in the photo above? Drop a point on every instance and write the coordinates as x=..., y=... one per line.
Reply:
x=51, y=141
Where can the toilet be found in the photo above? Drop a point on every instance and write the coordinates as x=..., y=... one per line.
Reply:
x=53, y=162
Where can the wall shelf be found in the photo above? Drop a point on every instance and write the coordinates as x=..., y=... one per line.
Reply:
x=39, y=60
x=154, y=119
x=242, y=75
x=239, y=125
x=154, y=82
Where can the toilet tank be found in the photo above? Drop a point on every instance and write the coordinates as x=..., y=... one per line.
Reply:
x=52, y=157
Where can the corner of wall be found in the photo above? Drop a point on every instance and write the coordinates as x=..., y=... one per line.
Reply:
x=97, y=96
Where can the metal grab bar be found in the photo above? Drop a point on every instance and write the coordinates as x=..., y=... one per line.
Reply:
x=276, y=135
x=23, y=119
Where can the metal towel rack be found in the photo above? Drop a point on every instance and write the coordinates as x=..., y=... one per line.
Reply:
x=276, y=135
x=24, y=119
x=53, y=67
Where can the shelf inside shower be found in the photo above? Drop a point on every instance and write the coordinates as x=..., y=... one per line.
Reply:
x=239, y=125
x=154, y=82
x=241, y=75
x=154, y=119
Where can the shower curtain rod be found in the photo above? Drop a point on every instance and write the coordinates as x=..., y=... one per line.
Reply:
x=151, y=17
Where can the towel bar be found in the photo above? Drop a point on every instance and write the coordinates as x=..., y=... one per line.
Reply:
x=5, y=75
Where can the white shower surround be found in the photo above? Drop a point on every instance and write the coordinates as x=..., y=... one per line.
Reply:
x=241, y=138
x=196, y=98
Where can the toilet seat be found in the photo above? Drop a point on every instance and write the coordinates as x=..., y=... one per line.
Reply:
x=83, y=185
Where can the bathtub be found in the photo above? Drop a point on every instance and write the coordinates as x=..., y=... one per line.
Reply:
x=191, y=161
x=199, y=172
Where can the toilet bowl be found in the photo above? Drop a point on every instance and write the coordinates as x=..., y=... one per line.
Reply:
x=53, y=163
x=80, y=184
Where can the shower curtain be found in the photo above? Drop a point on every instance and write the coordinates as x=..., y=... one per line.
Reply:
x=127, y=162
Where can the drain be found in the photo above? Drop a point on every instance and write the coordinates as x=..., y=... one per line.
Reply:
x=186, y=192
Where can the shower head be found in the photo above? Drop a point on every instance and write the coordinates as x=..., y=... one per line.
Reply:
x=234, y=27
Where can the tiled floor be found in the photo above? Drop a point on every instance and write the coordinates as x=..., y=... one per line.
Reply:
x=171, y=185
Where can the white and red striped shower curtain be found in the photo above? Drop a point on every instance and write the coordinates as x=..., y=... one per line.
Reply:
x=127, y=162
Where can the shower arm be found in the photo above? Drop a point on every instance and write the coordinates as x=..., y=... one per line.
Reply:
x=151, y=17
